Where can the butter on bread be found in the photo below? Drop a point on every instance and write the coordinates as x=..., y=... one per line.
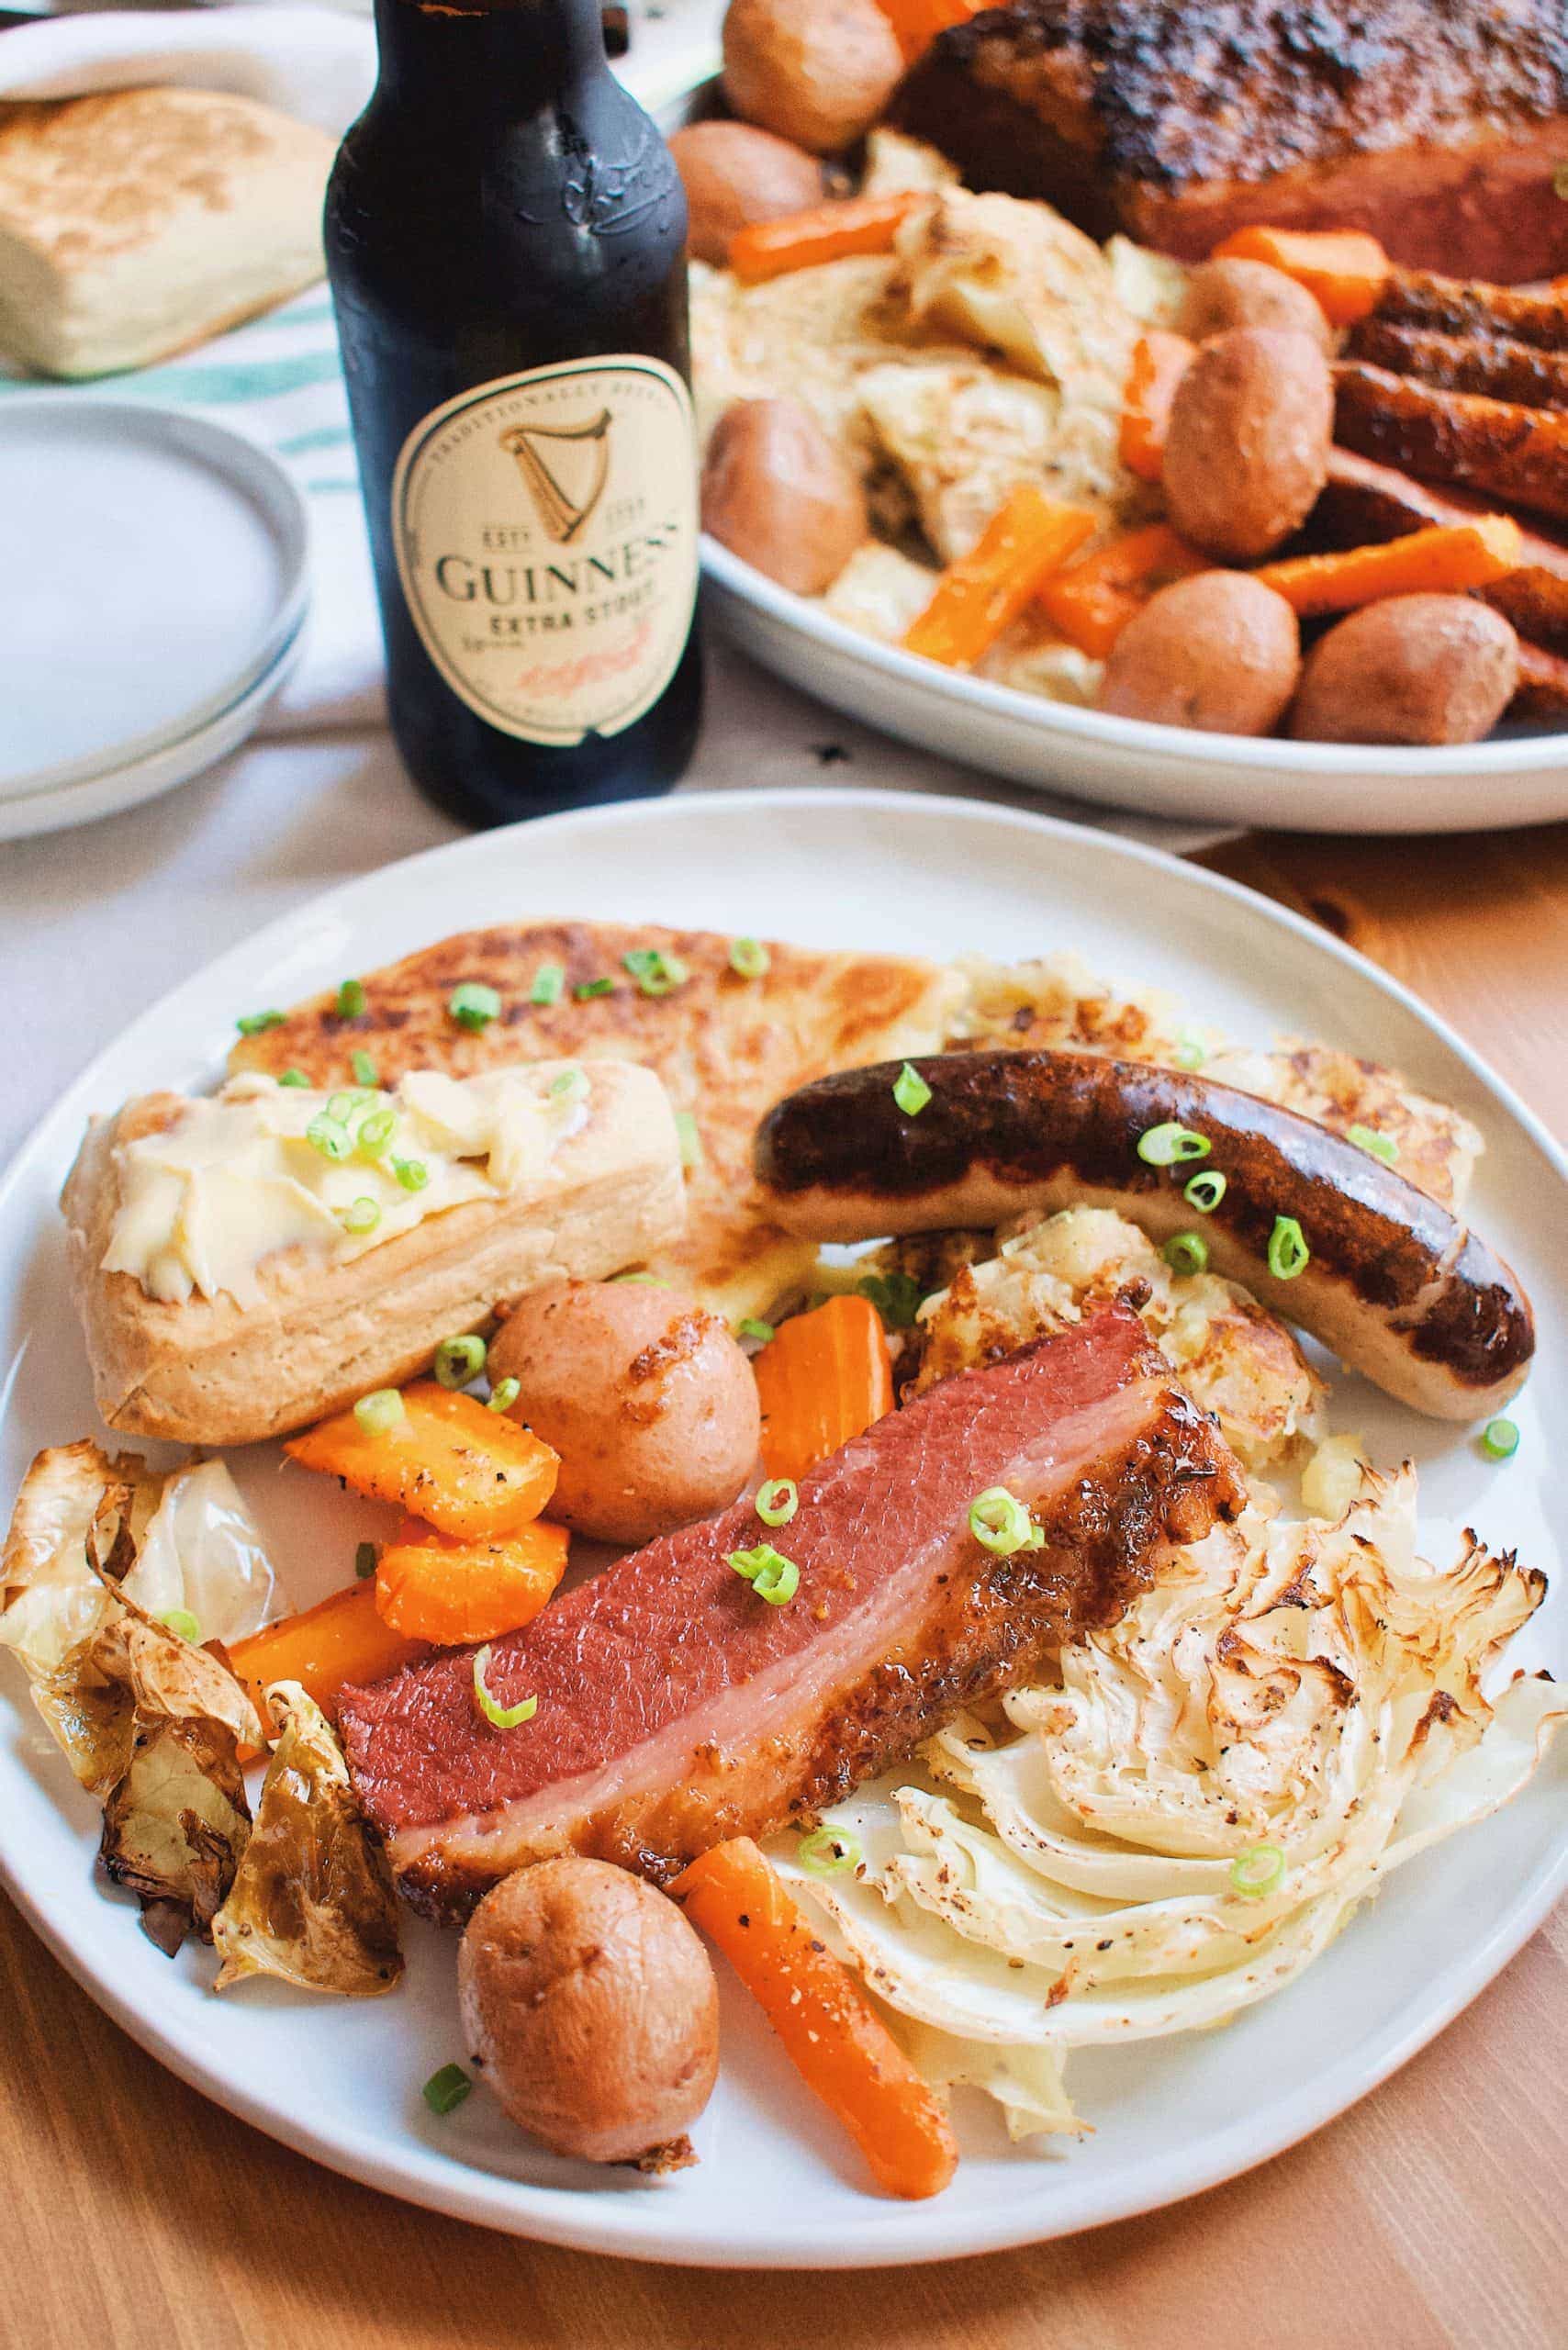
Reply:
x=136, y=222
x=324, y=1333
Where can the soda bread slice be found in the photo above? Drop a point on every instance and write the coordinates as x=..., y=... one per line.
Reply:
x=135, y=222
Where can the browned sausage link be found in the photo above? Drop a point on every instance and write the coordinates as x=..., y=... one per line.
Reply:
x=1004, y=1131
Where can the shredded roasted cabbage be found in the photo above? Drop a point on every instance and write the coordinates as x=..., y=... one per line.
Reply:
x=1065, y=1879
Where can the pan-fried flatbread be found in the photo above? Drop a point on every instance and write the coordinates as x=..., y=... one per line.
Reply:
x=727, y=1048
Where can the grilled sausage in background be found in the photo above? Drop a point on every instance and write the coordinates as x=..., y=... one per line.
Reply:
x=1394, y=1284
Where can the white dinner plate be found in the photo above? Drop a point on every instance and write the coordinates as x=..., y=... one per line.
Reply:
x=60, y=806
x=167, y=572
x=776, y=2185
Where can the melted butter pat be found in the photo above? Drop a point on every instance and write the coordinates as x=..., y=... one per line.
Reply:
x=236, y=1178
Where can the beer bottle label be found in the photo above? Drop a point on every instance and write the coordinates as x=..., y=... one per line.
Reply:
x=545, y=528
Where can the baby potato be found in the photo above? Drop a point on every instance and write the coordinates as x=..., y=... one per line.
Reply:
x=648, y=1400
x=1225, y=294
x=775, y=491
x=818, y=72
x=1219, y=651
x=734, y=175
x=1425, y=669
x=1247, y=451
x=589, y=2006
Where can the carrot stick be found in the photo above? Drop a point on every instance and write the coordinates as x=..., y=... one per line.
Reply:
x=824, y=1377
x=859, y=224
x=343, y=1639
x=918, y=22
x=1448, y=559
x=1159, y=361
x=833, y=2036
x=1092, y=601
x=472, y=1473
x=980, y=595
x=1345, y=268
x=431, y=1588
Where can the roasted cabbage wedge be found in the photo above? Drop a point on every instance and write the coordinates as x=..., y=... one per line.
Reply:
x=312, y=1902
x=153, y=1726
x=1185, y=1822
x=177, y=1541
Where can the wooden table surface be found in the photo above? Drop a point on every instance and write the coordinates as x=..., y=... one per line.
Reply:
x=138, y=2216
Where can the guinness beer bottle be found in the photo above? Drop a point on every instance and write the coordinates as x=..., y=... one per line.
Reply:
x=506, y=237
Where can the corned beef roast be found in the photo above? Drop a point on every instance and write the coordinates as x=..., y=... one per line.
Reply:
x=675, y=1707
x=1436, y=124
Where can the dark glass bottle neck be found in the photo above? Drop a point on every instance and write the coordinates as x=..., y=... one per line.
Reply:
x=488, y=56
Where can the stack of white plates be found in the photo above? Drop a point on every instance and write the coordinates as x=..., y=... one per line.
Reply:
x=153, y=587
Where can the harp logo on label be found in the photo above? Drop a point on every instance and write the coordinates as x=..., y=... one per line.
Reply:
x=550, y=456
x=545, y=527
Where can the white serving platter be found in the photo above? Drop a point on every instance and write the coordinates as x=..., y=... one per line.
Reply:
x=1515, y=778
x=1519, y=777
x=774, y=2184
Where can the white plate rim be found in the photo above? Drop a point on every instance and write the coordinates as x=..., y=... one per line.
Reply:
x=256, y=474
x=621, y=2226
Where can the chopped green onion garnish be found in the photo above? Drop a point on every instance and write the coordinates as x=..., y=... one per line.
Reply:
x=351, y=999
x=380, y=1412
x=1256, y=1872
x=548, y=981
x=504, y=1394
x=1168, y=1145
x=330, y=1137
x=646, y=1281
x=1288, y=1252
x=690, y=1140
x=474, y=1005
x=365, y=1560
x=1186, y=1252
x=896, y=1297
x=829, y=1851
x=361, y=1216
x=655, y=972
x=458, y=1361
x=256, y=1023
x=341, y=1107
x=446, y=2089
x=374, y=1133
x=753, y=1326
x=499, y=1717
x=294, y=1076
x=183, y=1624
x=771, y=1575
x=1499, y=1439
x=363, y=1069
x=999, y=1521
x=585, y=988
x=1206, y=1189
x=412, y=1173
x=1190, y=1050
x=571, y=1086
x=1382, y=1147
x=777, y=1500
x=910, y=1091
x=750, y=957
